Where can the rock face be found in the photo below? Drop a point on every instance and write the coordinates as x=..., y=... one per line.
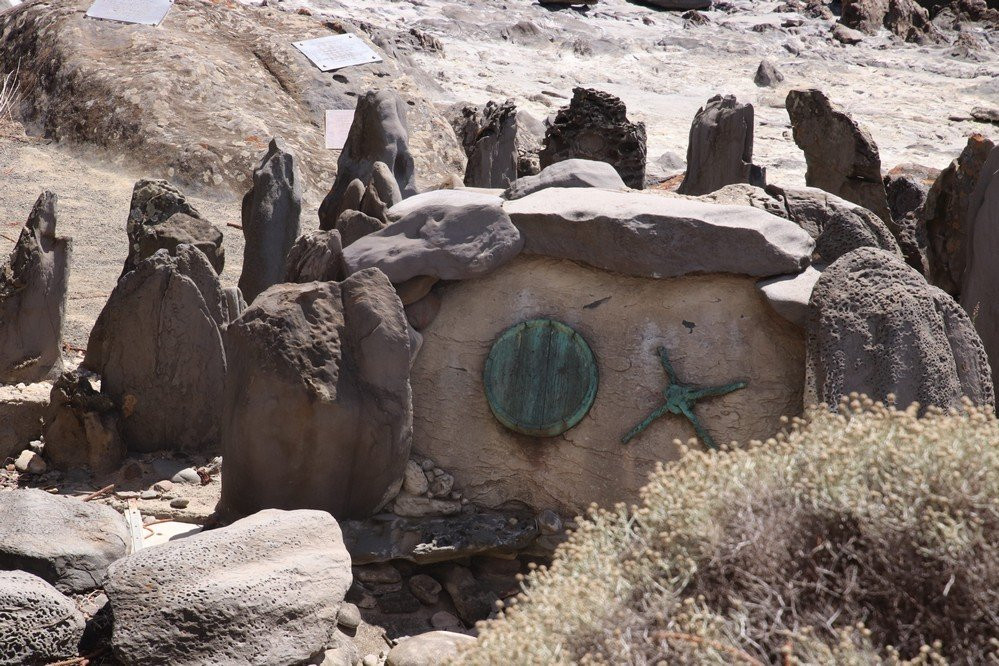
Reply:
x=271, y=211
x=38, y=625
x=469, y=120
x=158, y=349
x=946, y=212
x=317, y=256
x=876, y=327
x=492, y=159
x=82, y=427
x=651, y=235
x=720, y=150
x=449, y=242
x=623, y=320
x=568, y=173
x=595, y=126
x=980, y=290
x=160, y=218
x=66, y=542
x=837, y=225
x=33, y=286
x=380, y=133
x=842, y=157
x=84, y=90
x=329, y=363
x=263, y=590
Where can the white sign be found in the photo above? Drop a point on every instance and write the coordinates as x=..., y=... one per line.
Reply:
x=337, y=127
x=142, y=12
x=336, y=51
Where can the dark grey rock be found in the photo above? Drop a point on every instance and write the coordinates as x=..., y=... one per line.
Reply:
x=767, y=75
x=379, y=133
x=316, y=256
x=568, y=173
x=65, y=541
x=595, y=126
x=351, y=199
x=876, y=327
x=353, y=225
x=264, y=590
x=492, y=159
x=329, y=363
x=160, y=218
x=33, y=285
x=720, y=149
x=471, y=599
x=271, y=212
x=38, y=625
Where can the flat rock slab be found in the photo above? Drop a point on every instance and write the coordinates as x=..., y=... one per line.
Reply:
x=65, y=541
x=263, y=590
x=38, y=625
x=650, y=235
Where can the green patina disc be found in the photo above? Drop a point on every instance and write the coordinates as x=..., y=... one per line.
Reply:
x=540, y=378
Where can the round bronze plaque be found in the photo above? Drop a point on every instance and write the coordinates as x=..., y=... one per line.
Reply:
x=540, y=378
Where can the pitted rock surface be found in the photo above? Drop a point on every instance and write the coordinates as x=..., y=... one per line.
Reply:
x=38, y=625
x=329, y=363
x=158, y=349
x=595, y=126
x=65, y=541
x=876, y=327
x=651, y=235
x=33, y=286
x=316, y=256
x=450, y=242
x=264, y=590
x=568, y=173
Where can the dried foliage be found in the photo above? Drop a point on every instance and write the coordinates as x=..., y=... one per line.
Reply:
x=10, y=93
x=865, y=535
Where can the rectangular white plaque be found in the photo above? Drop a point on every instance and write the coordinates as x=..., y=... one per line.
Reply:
x=142, y=12
x=337, y=127
x=336, y=51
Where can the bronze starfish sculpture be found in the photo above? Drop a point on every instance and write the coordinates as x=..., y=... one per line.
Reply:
x=680, y=399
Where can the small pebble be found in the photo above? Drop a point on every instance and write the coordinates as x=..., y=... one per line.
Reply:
x=349, y=616
x=30, y=462
x=370, y=660
x=37, y=446
x=179, y=503
x=163, y=486
x=188, y=475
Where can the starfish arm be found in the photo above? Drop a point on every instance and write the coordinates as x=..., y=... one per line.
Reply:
x=697, y=394
x=637, y=430
x=667, y=366
x=698, y=428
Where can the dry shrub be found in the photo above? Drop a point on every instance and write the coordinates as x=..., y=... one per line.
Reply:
x=865, y=535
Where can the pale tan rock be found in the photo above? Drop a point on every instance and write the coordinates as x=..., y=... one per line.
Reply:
x=430, y=649
x=717, y=328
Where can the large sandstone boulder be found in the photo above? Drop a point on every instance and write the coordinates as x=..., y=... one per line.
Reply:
x=568, y=173
x=160, y=218
x=842, y=157
x=980, y=288
x=38, y=625
x=720, y=149
x=33, y=285
x=450, y=242
x=651, y=235
x=595, y=126
x=270, y=214
x=492, y=157
x=327, y=423
x=379, y=133
x=148, y=93
x=946, y=212
x=65, y=541
x=264, y=590
x=158, y=349
x=717, y=330
x=876, y=327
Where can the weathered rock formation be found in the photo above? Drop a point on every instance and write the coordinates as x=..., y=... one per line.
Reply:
x=492, y=158
x=905, y=18
x=468, y=121
x=329, y=363
x=720, y=149
x=876, y=327
x=449, y=242
x=379, y=133
x=945, y=214
x=38, y=625
x=595, y=126
x=160, y=218
x=82, y=426
x=263, y=590
x=65, y=541
x=767, y=75
x=316, y=256
x=650, y=235
x=270, y=213
x=158, y=349
x=842, y=157
x=568, y=173
x=33, y=286
x=22, y=408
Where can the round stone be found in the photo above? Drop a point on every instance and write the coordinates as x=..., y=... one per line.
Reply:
x=540, y=378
